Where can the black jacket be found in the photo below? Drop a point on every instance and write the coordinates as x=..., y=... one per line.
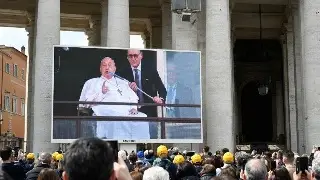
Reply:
x=151, y=84
x=15, y=171
x=33, y=174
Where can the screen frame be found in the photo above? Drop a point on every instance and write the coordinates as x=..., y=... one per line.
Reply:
x=130, y=141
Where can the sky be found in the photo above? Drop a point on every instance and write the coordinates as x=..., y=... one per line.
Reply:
x=18, y=37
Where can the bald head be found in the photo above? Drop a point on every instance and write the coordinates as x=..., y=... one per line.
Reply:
x=45, y=158
x=107, y=66
x=255, y=169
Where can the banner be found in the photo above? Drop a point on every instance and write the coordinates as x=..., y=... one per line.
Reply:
x=150, y=84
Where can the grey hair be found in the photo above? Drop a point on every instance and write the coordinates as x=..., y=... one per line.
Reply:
x=156, y=173
x=255, y=169
x=45, y=158
x=316, y=167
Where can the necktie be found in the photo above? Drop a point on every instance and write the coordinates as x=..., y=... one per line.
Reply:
x=137, y=80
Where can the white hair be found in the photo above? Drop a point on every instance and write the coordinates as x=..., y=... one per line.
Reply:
x=316, y=166
x=156, y=173
x=122, y=154
x=316, y=155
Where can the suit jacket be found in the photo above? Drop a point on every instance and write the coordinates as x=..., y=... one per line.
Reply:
x=151, y=84
x=184, y=95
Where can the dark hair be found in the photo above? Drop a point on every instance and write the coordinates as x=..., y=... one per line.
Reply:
x=186, y=169
x=229, y=171
x=48, y=174
x=206, y=149
x=282, y=174
x=289, y=155
x=223, y=178
x=218, y=163
x=6, y=153
x=225, y=150
x=89, y=158
x=133, y=157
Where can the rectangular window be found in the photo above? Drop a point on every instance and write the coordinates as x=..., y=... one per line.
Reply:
x=8, y=68
x=22, y=74
x=15, y=70
x=7, y=103
x=14, y=104
x=22, y=107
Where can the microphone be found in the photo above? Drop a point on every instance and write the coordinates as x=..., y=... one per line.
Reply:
x=115, y=75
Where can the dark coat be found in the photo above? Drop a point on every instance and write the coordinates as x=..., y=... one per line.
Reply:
x=151, y=84
x=15, y=171
x=33, y=174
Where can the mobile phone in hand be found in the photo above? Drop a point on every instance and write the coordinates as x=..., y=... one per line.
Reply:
x=114, y=145
x=301, y=164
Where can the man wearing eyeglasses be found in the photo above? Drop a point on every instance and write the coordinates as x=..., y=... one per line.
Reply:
x=148, y=80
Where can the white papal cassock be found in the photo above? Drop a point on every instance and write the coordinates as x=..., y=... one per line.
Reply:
x=118, y=91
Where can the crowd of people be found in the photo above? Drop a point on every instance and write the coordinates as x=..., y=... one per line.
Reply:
x=94, y=159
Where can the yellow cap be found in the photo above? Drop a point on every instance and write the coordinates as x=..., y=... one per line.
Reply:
x=228, y=158
x=178, y=159
x=196, y=158
x=162, y=150
x=30, y=156
x=59, y=157
x=54, y=155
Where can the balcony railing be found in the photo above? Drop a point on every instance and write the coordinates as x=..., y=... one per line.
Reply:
x=161, y=117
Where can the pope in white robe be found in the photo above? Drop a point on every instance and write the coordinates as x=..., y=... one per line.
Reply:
x=108, y=88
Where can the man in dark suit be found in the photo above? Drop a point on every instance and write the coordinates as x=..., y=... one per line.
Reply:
x=149, y=81
x=180, y=94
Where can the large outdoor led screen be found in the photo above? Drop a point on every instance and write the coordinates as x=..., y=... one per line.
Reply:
x=152, y=85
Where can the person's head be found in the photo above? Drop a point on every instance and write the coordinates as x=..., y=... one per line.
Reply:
x=196, y=159
x=133, y=157
x=140, y=155
x=282, y=173
x=208, y=168
x=288, y=157
x=316, y=169
x=255, y=170
x=122, y=154
x=30, y=157
x=162, y=151
x=135, y=175
x=45, y=158
x=228, y=158
x=229, y=171
x=178, y=159
x=89, y=158
x=280, y=154
x=224, y=150
x=155, y=173
x=6, y=153
x=134, y=57
x=187, y=169
x=107, y=67
x=223, y=178
x=48, y=174
x=218, y=163
x=206, y=149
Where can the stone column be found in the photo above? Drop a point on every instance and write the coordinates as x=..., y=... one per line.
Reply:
x=47, y=35
x=201, y=36
x=118, y=24
x=311, y=70
x=283, y=40
x=31, y=75
x=184, y=34
x=298, y=75
x=184, y=37
x=104, y=23
x=166, y=26
x=156, y=37
x=292, y=87
x=94, y=33
x=147, y=39
x=119, y=34
x=279, y=106
x=219, y=76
